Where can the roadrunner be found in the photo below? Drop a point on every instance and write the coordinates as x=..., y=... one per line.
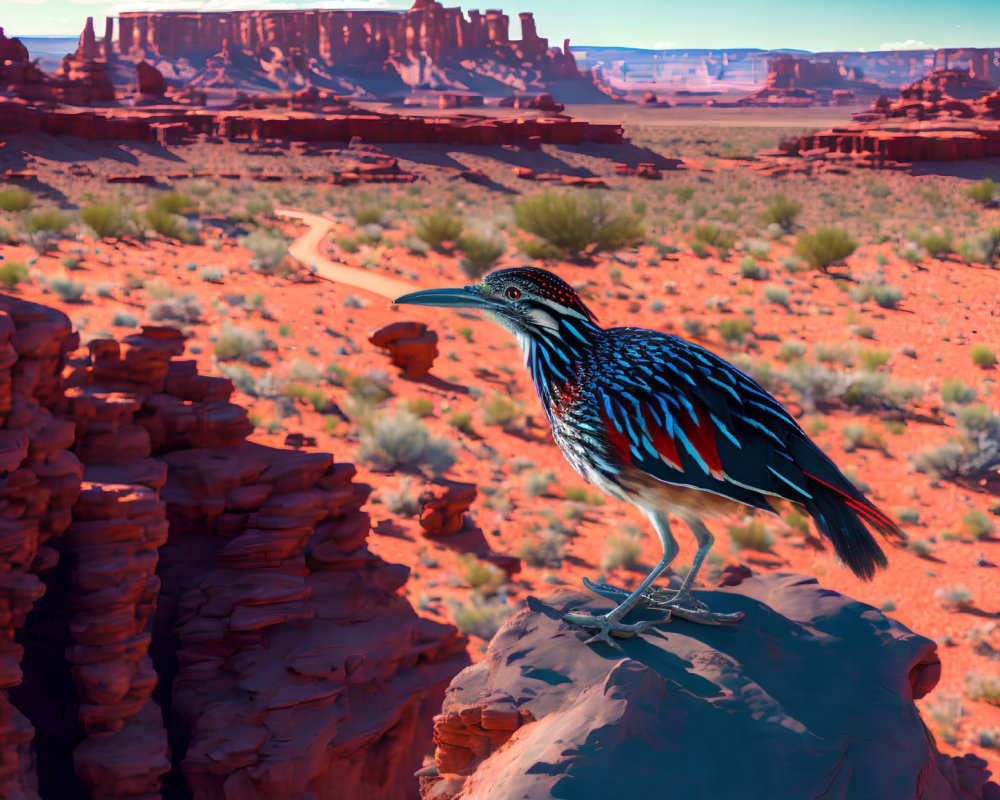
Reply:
x=669, y=427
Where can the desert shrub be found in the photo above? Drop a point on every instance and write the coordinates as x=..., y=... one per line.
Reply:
x=984, y=191
x=123, y=319
x=693, y=327
x=212, y=274
x=69, y=291
x=237, y=343
x=911, y=516
x=15, y=198
x=974, y=453
x=955, y=598
x=269, y=249
x=781, y=211
x=365, y=392
x=777, y=294
x=886, y=296
x=404, y=501
x=499, y=410
x=539, y=250
x=51, y=220
x=825, y=247
x=982, y=249
x=574, y=221
x=938, y=243
x=791, y=351
x=734, y=329
x=946, y=712
x=370, y=214
x=108, y=219
x=479, y=574
x=461, y=421
x=186, y=309
x=871, y=360
x=176, y=203
x=421, y=406
x=304, y=372
x=751, y=535
x=401, y=441
x=955, y=391
x=479, y=616
x=878, y=190
x=12, y=273
x=438, y=228
x=978, y=523
x=983, y=356
x=166, y=224
x=624, y=549
x=537, y=482
x=241, y=377
x=546, y=550
x=749, y=268
x=713, y=236
x=983, y=687
x=480, y=253
x=912, y=253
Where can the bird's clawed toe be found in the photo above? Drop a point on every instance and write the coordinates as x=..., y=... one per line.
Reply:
x=607, y=628
x=683, y=605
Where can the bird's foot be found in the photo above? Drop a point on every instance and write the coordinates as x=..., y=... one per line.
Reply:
x=606, y=628
x=683, y=605
x=654, y=598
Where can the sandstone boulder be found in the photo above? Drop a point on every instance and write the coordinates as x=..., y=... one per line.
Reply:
x=810, y=695
x=411, y=346
x=443, y=506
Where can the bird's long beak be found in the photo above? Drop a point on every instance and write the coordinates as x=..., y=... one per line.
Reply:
x=466, y=297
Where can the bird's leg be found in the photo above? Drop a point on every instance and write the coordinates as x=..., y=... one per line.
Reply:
x=683, y=604
x=608, y=625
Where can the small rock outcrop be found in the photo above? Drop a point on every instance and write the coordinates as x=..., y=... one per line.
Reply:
x=411, y=346
x=443, y=507
x=169, y=590
x=810, y=695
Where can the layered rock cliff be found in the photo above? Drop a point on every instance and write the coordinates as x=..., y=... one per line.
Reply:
x=182, y=610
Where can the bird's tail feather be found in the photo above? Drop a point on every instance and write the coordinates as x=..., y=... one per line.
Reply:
x=841, y=513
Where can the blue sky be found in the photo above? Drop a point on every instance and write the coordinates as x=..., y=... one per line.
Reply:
x=801, y=24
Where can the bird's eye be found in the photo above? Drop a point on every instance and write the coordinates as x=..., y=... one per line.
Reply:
x=513, y=292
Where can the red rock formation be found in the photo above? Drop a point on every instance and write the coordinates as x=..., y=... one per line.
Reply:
x=827, y=709
x=40, y=483
x=301, y=669
x=789, y=72
x=18, y=76
x=411, y=346
x=12, y=50
x=149, y=80
x=87, y=49
x=945, y=116
x=443, y=507
x=332, y=36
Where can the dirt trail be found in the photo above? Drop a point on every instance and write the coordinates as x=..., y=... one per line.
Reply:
x=307, y=249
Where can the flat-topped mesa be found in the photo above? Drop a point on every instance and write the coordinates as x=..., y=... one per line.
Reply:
x=332, y=35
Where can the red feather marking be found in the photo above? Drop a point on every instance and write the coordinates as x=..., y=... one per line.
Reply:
x=702, y=438
x=871, y=514
x=662, y=441
x=619, y=440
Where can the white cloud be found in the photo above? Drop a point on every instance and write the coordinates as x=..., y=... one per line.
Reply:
x=665, y=45
x=909, y=44
x=28, y=2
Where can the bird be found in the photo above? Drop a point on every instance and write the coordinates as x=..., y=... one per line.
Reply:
x=670, y=427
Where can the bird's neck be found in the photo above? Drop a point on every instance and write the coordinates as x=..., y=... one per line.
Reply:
x=553, y=356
